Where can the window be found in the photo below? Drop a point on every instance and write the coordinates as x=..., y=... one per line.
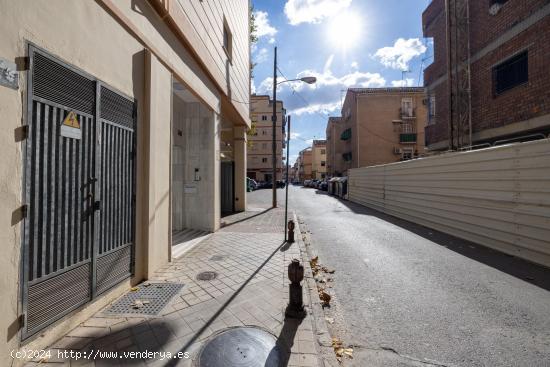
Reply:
x=264, y=160
x=323, y=163
x=431, y=110
x=346, y=135
x=346, y=156
x=227, y=40
x=264, y=145
x=264, y=132
x=323, y=151
x=407, y=107
x=511, y=73
x=264, y=118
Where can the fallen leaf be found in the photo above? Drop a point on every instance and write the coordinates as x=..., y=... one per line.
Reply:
x=134, y=289
x=330, y=320
x=325, y=297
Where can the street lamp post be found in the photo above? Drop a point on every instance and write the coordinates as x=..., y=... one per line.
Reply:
x=308, y=80
x=274, y=140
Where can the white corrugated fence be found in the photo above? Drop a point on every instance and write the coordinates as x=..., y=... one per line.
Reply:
x=498, y=197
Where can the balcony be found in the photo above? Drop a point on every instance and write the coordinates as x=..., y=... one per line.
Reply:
x=346, y=135
x=407, y=138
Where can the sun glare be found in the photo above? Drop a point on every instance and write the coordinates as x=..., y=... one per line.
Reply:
x=345, y=30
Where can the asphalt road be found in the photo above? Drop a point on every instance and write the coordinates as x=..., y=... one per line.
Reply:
x=411, y=296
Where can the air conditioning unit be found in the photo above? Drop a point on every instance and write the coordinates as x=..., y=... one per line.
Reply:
x=397, y=150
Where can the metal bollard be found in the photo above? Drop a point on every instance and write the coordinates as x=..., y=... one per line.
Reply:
x=290, y=227
x=295, y=308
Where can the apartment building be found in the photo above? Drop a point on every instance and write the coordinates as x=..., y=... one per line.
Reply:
x=120, y=128
x=319, y=159
x=260, y=150
x=305, y=165
x=335, y=162
x=377, y=126
x=500, y=50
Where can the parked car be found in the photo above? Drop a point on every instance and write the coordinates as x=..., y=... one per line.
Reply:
x=280, y=184
x=251, y=185
x=323, y=185
x=315, y=184
x=307, y=183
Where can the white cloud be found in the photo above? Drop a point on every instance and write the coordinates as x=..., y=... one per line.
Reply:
x=408, y=82
x=313, y=11
x=263, y=28
x=271, y=40
x=401, y=53
x=355, y=65
x=294, y=136
x=325, y=95
x=309, y=141
x=261, y=56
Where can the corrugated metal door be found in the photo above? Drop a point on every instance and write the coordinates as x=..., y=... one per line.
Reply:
x=78, y=190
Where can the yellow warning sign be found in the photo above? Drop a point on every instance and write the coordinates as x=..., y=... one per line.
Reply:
x=71, y=120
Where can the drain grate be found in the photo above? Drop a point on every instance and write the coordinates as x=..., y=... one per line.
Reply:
x=149, y=299
x=218, y=258
x=207, y=275
x=241, y=346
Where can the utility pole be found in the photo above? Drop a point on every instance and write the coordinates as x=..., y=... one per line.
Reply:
x=274, y=140
x=286, y=187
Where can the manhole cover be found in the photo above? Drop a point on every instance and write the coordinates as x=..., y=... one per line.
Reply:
x=207, y=275
x=242, y=346
x=148, y=299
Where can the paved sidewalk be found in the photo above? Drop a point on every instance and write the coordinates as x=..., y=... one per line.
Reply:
x=251, y=288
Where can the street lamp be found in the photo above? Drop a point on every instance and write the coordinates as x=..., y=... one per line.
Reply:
x=306, y=79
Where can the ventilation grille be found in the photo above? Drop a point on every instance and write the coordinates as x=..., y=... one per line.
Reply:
x=116, y=108
x=57, y=296
x=113, y=267
x=148, y=299
x=57, y=83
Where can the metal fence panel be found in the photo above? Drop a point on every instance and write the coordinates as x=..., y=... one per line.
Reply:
x=498, y=197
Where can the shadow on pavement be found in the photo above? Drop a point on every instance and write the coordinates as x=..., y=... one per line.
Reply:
x=229, y=223
x=285, y=340
x=186, y=347
x=527, y=271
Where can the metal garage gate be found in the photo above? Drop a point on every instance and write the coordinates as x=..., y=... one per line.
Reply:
x=79, y=190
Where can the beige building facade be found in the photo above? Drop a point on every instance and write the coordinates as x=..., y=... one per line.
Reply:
x=305, y=160
x=260, y=146
x=377, y=126
x=319, y=159
x=114, y=139
x=335, y=163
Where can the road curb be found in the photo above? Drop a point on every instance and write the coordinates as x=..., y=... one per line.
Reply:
x=324, y=340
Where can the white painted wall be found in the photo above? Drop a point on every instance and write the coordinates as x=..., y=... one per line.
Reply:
x=196, y=148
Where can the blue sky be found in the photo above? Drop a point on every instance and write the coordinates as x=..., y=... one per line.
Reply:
x=344, y=43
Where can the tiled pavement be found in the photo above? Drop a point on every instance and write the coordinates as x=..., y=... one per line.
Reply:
x=251, y=288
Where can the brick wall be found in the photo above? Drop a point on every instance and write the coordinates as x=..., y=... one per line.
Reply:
x=488, y=110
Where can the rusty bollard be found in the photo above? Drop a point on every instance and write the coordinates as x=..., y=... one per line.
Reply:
x=290, y=227
x=295, y=308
